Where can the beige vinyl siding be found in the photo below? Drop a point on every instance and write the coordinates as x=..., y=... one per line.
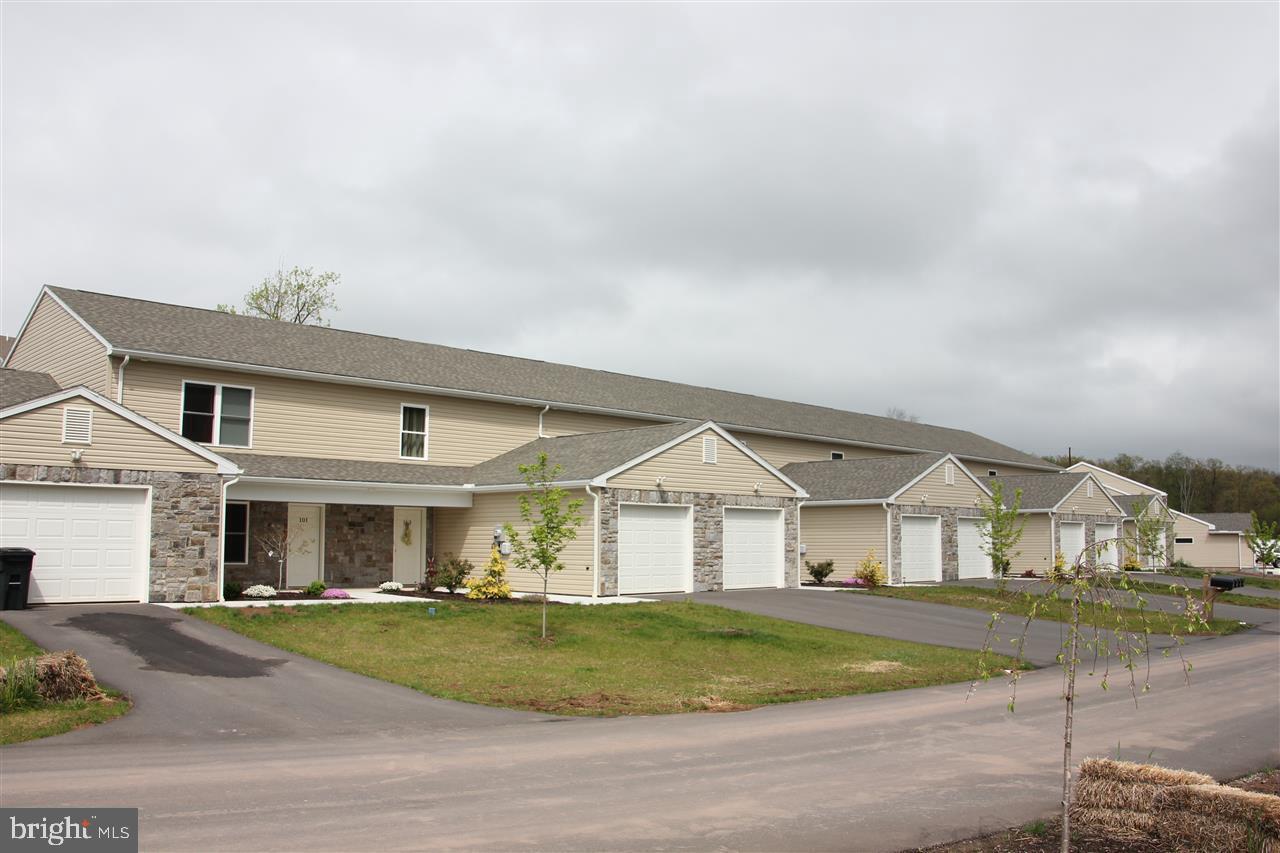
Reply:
x=468, y=533
x=1034, y=549
x=1220, y=551
x=54, y=342
x=934, y=491
x=1119, y=486
x=844, y=534
x=1080, y=503
x=682, y=470
x=557, y=423
x=297, y=417
x=779, y=451
x=35, y=438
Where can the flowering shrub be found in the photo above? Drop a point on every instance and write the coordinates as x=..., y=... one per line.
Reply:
x=856, y=583
x=390, y=586
x=334, y=592
x=260, y=590
x=871, y=570
x=494, y=583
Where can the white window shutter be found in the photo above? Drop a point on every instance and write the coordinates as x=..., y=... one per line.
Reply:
x=77, y=425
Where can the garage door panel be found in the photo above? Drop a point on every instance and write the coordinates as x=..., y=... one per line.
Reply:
x=91, y=543
x=655, y=553
x=973, y=561
x=921, y=544
x=1071, y=540
x=753, y=555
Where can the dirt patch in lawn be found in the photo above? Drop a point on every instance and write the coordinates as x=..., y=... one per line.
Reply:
x=875, y=666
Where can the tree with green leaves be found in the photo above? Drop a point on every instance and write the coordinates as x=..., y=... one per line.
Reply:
x=551, y=523
x=1001, y=530
x=299, y=295
x=1262, y=541
x=1096, y=633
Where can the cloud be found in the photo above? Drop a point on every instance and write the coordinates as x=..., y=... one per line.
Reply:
x=1052, y=225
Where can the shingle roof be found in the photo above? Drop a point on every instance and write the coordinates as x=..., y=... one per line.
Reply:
x=19, y=386
x=582, y=457
x=1133, y=505
x=137, y=325
x=348, y=470
x=1227, y=522
x=1040, y=491
x=876, y=478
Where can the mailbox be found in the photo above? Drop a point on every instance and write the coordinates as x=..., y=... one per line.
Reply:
x=1218, y=582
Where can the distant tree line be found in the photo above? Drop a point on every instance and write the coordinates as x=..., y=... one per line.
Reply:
x=1200, y=485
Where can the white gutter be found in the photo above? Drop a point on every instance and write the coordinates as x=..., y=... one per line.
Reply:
x=799, y=540
x=595, y=539
x=120, y=380
x=222, y=523
x=352, y=484
x=888, y=541
x=860, y=502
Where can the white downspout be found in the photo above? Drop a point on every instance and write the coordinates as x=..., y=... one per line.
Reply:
x=120, y=380
x=888, y=542
x=222, y=523
x=1053, y=549
x=541, y=432
x=595, y=541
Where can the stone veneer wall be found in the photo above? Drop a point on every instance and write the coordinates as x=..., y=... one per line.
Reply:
x=267, y=520
x=708, y=532
x=950, y=536
x=358, y=544
x=185, y=523
x=1090, y=536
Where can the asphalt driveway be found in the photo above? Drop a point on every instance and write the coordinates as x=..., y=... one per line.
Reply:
x=195, y=682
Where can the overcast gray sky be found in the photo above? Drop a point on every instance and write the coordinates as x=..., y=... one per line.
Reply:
x=1054, y=225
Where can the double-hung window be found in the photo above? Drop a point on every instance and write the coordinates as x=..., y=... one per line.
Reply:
x=235, y=533
x=217, y=414
x=413, y=432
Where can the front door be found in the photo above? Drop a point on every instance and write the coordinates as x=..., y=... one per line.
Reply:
x=409, y=553
x=305, y=544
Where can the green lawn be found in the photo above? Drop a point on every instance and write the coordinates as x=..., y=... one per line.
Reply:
x=54, y=718
x=1249, y=580
x=1196, y=592
x=603, y=660
x=1017, y=603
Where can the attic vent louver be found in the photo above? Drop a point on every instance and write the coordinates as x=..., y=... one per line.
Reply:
x=709, y=449
x=77, y=425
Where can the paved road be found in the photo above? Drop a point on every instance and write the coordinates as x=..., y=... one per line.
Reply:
x=879, y=772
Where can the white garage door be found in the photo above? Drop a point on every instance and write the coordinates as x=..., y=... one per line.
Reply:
x=91, y=542
x=1106, y=556
x=655, y=550
x=1071, y=540
x=752, y=548
x=974, y=562
x=921, y=548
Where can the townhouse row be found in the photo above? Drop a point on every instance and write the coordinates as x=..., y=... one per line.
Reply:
x=151, y=451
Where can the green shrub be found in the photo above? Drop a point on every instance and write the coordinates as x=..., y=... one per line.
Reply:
x=451, y=573
x=494, y=583
x=231, y=590
x=19, y=687
x=1181, y=564
x=316, y=588
x=820, y=571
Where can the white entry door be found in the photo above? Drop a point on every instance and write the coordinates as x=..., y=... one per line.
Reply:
x=92, y=543
x=655, y=549
x=921, y=548
x=1106, y=555
x=752, y=548
x=306, y=544
x=1071, y=540
x=409, y=553
x=973, y=561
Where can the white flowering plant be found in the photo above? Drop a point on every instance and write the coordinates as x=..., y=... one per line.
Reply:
x=260, y=590
x=390, y=586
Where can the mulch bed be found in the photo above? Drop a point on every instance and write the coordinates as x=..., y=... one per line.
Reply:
x=1042, y=837
x=462, y=596
x=831, y=585
x=286, y=597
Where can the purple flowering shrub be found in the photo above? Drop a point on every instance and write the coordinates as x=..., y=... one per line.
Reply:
x=855, y=583
x=334, y=592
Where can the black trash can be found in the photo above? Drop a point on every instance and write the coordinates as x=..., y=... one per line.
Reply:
x=15, y=577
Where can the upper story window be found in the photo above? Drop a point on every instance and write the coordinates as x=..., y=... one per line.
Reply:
x=1183, y=540
x=991, y=472
x=217, y=414
x=413, y=432
x=836, y=454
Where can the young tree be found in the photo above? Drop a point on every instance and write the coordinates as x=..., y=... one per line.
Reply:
x=279, y=546
x=296, y=296
x=1001, y=530
x=1101, y=626
x=1262, y=541
x=551, y=521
